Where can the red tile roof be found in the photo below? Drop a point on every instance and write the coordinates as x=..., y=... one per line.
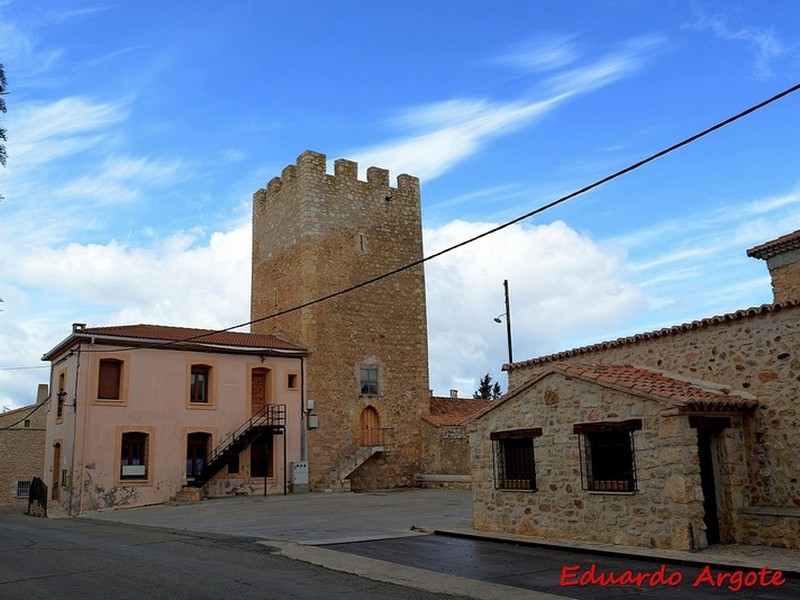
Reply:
x=667, y=331
x=453, y=411
x=685, y=394
x=785, y=243
x=159, y=335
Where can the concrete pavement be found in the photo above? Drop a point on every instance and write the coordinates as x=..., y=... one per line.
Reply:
x=299, y=525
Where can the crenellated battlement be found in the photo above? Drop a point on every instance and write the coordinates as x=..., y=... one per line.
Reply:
x=311, y=171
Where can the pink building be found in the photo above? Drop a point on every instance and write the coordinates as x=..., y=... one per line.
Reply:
x=140, y=412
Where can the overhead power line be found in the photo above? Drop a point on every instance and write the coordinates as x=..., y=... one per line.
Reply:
x=527, y=215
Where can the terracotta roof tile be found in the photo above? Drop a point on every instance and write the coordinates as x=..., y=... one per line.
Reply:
x=453, y=411
x=790, y=241
x=667, y=331
x=685, y=394
x=142, y=334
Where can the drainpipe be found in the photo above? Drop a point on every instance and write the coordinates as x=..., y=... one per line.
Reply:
x=302, y=409
x=74, y=434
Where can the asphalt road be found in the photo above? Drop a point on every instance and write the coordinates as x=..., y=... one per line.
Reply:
x=77, y=559
x=541, y=569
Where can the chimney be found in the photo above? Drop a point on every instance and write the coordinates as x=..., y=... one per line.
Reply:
x=41, y=393
x=76, y=327
x=783, y=261
x=454, y=393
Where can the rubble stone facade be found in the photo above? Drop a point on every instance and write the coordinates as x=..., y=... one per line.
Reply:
x=754, y=351
x=315, y=235
x=22, y=435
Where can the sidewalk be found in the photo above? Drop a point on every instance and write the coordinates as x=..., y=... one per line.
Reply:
x=299, y=525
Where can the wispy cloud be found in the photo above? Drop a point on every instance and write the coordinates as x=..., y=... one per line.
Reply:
x=541, y=53
x=762, y=41
x=42, y=132
x=445, y=133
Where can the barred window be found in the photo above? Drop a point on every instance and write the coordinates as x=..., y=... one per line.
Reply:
x=514, y=459
x=134, y=455
x=23, y=488
x=608, y=458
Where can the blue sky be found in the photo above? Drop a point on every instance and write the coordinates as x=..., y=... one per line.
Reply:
x=138, y=132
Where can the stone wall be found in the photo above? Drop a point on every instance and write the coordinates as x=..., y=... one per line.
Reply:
x=665, y=512
x=21, y=449
x=445, y=450
x=757, y=351
x=316, y=234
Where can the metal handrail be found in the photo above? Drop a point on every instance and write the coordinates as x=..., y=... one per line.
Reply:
x=271, y=414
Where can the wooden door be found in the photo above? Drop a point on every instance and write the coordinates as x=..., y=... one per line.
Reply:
x=370, y=427
x=56, y=490
x=260, y=382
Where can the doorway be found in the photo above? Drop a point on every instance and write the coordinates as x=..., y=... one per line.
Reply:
x=370, y=425
x=708, y=482
x=56, y=490
x=197, y=446
x=260, y=390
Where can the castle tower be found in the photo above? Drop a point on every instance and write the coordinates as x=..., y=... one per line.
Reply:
x=315, y=234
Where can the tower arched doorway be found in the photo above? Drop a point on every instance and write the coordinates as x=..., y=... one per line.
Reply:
x=370, y=426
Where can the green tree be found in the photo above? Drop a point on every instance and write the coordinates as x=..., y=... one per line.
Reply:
x=486, y=390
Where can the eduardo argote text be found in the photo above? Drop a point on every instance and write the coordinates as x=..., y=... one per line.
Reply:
x=732, y=580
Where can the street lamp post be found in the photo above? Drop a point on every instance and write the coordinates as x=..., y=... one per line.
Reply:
x=507, y=315
x=508, y=321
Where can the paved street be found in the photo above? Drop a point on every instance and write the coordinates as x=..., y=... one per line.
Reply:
x=77, y=559
x=219, y=546
x=540, y=569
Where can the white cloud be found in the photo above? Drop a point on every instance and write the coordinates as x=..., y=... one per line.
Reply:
x=764, y=43
x=445, y=133
x=560, y=281
x=541, y=53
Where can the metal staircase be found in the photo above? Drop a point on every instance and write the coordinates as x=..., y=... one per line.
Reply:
x=271, y=419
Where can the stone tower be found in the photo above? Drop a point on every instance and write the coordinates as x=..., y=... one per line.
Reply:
x=315, y=234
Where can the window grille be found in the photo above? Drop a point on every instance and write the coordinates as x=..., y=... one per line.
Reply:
x=607, y=455
x=514, y=459
x=23, y=489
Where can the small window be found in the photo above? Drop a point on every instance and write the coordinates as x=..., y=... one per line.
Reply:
x=199, y=383
x=291, y=381
x=109, y=379
x=608, y=459
x=63, y=477
x=27, y=423
x=23, y=488
x=60, y=396
x=514, y=459
x=369, y=381
x=133, y=457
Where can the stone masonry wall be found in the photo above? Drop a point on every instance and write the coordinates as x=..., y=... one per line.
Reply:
x=665, y=512
x=785, y=281
x=315, y=234
x=22, y=451
x=757, y=351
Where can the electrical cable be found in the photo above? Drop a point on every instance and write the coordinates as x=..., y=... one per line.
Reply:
x=528, y=215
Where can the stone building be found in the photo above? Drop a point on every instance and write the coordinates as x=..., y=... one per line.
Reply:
x=22, y=433
x=143, y=413
x=676, y=438
x=445, y=442
x=316, y=235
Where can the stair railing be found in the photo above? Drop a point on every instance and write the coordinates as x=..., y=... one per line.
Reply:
x=273, y=415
